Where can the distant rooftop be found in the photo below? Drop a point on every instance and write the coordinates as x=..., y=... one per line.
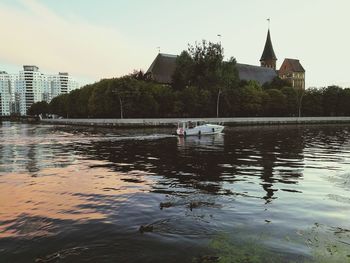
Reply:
x=30, y=68
x=164, y=65
x=291, y=65
x=256, y=73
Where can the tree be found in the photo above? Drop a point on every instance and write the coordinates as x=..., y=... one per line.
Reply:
x=292, y=97
x=344, y=102
x=37, y=108
x=231, y=102
x=251, y=99
x=330, y=100
x=276, y=83
x=183, y=74
x=274, y=102
x=312, y=102
x=165, y=98
x=97, y=98
x=139, y=75
x=58, y=105
x=82, y=102
x=202, y=66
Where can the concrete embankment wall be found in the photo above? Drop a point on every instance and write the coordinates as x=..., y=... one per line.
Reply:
x=133, y=123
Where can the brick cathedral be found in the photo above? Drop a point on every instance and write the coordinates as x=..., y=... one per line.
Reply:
x=163, y=67
x=290, y=70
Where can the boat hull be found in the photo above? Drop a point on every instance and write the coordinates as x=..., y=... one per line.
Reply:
x=207, y=129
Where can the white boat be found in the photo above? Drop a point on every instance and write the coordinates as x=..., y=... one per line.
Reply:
x=197, y=128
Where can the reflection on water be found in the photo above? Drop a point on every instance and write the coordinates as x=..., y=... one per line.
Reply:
x=80, y=194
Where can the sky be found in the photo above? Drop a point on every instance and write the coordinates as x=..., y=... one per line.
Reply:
x=95, y=39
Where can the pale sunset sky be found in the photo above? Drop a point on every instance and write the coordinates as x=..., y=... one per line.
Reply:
x=94, y=39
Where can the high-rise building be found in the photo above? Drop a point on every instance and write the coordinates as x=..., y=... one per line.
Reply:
x=5, y=93
x=19, y=91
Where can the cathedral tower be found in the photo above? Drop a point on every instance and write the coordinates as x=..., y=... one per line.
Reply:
x=268, y=58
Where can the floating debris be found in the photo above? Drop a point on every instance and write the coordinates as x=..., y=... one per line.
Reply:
x=165, y=205
x=146, y=228
x=194, y=204
x=207, y=259
x=197, y=204
x=65, y=253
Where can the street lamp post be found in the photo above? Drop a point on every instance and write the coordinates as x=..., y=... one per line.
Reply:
x=300, y=102
x=121, y=107
x=217, y=104
x=219, y=92
x=120, y=103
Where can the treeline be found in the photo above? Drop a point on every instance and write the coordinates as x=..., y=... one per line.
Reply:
x=203, y=86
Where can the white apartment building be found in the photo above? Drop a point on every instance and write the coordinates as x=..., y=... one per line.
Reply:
x=19, y=91
x=5, y=93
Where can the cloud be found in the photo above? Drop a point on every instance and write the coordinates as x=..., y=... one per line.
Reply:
x=36, y=35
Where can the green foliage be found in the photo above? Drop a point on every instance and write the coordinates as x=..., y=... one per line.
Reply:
x=139, y=75
x=196, y=102
x=58, y=105
x=37, y=108
x=251, y=99
x=99, y=104
x=344, y=102
x=291, y=95
x=208, y=64
x=331, y=96
x=203, y=66
x=276, y=83
x=312, y=102
x=201, y=77
x=251, y=251
x=274, y=103
x=326, y=244
x=183, y=74
x=145, y=99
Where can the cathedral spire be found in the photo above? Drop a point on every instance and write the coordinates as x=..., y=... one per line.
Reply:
x=268, y=58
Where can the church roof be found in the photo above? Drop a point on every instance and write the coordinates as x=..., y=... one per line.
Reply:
x=163, y=68
x=259, y=74
x=164, y=65
x=291, y=65
x=268, y=53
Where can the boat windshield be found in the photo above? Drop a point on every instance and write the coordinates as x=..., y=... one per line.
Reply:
x=190, y=124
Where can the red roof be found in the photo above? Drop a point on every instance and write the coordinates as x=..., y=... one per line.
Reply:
x=291, y=65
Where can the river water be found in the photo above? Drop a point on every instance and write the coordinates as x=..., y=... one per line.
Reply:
x=252, y=194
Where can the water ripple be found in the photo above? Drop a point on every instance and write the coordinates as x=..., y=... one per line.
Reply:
x=82, y=194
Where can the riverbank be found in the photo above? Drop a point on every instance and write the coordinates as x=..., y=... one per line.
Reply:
x=19, y=118
x=141, y=123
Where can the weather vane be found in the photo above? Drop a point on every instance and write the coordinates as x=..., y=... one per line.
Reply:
x=219, y=36
x=268, y=20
